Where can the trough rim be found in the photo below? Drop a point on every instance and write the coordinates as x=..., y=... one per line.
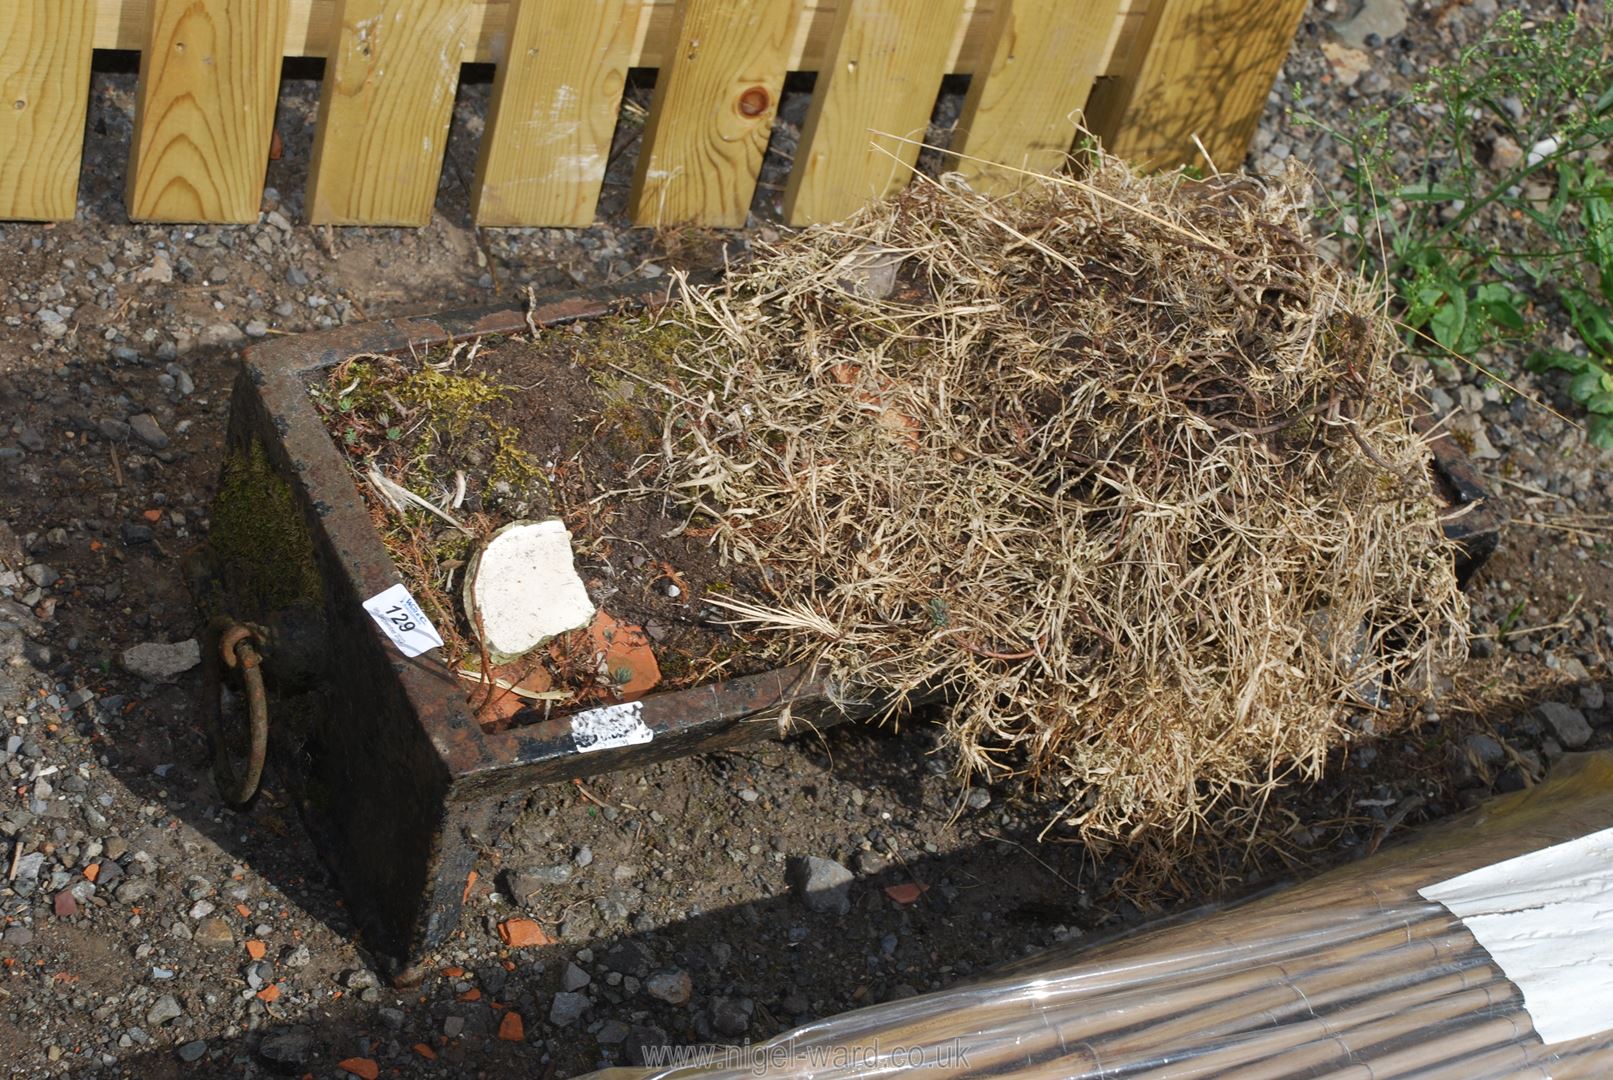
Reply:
x=279, y=371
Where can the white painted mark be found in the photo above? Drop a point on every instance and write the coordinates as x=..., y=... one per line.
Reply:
x=577, y=167
x=565, y=101
x=1546, y=918
x=613, y=725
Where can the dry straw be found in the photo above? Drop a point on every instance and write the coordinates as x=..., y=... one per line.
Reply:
x=1123, y=467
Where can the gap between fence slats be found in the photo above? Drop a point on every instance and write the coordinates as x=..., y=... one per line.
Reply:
x=553, y=112
x=885, y=63
x=384, y=112
x=1024, y=110
x=712, y=113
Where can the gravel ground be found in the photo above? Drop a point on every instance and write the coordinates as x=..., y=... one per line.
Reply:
x=144, y=931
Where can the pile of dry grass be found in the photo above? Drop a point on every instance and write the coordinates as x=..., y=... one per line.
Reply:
x=1120, y=464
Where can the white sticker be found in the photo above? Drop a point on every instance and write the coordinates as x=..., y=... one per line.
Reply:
x=1546, y=919
x=613, y=725
x=399, y=614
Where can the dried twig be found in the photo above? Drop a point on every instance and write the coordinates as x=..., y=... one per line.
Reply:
x=582, y=789
x=401, y=498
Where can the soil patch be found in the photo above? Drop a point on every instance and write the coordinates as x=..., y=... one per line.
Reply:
x=558, y=426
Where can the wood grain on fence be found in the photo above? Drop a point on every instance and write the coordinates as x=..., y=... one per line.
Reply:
x=712, y=113
x=311, y=25
x=1026, y=105
x=555, y=102
x=1199, y=69
x=204, y=111
x=384, y=112
x=1198, y=75
x=883, y=72
x=44, y=90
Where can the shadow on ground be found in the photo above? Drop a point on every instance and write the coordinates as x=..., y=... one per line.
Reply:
x=992, y=899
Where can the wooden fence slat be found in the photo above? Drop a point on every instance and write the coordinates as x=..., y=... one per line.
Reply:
x=881, y=77
x=1025, y=108
x=553, y=112
x=204, y=111
x=44, y=96
x=311, y=24
x=712, y=113
x=1198, y=68
x=1179, y=71
x=384, y=112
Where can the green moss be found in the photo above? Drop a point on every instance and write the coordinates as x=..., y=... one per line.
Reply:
x=261, y=538
x=453, y=411
x=435, y=416
x=645, y=345
x=620, y=355
x=452, y=545
x=675, y=667
x=512, y=468
x=451, y=402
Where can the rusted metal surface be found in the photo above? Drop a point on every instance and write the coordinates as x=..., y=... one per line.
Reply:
x=238, y=649
x=398, y=783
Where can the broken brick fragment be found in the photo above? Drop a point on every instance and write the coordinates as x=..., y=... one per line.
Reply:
x=521, y=933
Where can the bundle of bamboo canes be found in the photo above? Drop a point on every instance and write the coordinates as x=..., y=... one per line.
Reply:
x=1352, y=977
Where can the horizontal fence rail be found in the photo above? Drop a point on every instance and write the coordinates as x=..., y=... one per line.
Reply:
x=1159, y=81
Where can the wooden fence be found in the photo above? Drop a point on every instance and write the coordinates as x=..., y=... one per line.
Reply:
x=1155, y=79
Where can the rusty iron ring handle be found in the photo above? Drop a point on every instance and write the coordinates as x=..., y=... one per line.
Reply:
x=237, y=650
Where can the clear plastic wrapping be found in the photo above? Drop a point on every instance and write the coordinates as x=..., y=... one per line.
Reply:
x=1353, y=976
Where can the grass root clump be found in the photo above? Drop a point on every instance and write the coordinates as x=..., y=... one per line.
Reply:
x=1119, y=463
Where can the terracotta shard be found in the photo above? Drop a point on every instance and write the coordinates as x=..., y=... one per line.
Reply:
x=522, y=933
x=625, y=657
x=906, y=893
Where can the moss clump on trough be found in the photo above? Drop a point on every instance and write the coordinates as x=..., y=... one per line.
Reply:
x=429, y=409
x=645, y=345
x=261, y=538
x=625, y=354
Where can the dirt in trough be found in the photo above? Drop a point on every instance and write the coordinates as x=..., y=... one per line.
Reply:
x=564, y=424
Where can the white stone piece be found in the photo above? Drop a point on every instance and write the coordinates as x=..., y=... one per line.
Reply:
x=524, y=584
